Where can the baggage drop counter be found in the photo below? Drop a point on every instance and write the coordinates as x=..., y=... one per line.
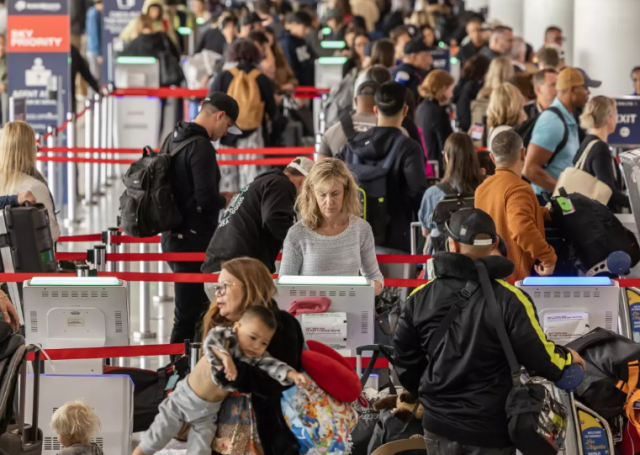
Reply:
x=569, y=307
x=352, y=297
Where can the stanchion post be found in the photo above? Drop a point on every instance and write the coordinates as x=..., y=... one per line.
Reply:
x=104, y=115
x=40, y=165
x=100, y=257
x=111, y=171
x=163, y=288
x=82, y=270
x=88, y=143
x=194, y=355
x=97, y=127
x=107, y=238
x=145, y=332
x=72, y=175
x=52, y=178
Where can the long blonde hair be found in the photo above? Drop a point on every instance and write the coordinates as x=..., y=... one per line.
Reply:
x=322, y=175
x=500, y=71
x=505, y=105
x=258, y=285
x=18, y=153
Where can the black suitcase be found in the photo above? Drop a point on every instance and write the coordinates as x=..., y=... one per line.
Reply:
x=21, y=438
x=25, y=240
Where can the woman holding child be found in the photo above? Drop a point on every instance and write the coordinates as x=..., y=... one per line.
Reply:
x=253, y=424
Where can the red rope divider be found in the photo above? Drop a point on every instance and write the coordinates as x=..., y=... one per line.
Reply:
x=180, y=92
x=254, y=162
x=80, y=238
x=200, y=257
x=147, y=351
x=266, y=151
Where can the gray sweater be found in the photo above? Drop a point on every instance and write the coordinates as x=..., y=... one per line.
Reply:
x=308, y=253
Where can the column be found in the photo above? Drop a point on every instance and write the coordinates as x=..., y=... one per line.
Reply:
x=509, y=12
x=606, y=36
x=540, y=14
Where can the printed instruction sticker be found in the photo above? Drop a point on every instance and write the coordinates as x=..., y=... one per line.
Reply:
x=563, y=328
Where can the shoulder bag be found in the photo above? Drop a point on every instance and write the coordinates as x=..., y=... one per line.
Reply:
x=537, y=422
x=577, y=180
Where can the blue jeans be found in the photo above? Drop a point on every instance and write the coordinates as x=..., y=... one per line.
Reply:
x=438, y=445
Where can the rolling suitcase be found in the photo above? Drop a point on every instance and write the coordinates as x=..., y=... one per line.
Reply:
x=21, y=438
x=26, y=245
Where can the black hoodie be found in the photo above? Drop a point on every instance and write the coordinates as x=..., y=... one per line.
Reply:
x=406, y=180
x=255, y=223
x=300, y=56
x=464, y=387
x=195, y=179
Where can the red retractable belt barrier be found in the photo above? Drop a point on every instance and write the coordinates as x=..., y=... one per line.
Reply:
x=146, y=351
x=266, y=151
x=253, y=162
x=179, y=92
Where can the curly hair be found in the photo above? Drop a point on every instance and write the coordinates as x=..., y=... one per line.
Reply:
x=322, y=176
x=76, y=422
x=435, y=85
x=244, y=50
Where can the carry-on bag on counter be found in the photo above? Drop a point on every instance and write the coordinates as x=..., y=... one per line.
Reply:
x=612, y=370
x=147, y=206
x=591, y=229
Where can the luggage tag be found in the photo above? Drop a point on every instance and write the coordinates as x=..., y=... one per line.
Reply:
x=171, y=383
x=565, y=205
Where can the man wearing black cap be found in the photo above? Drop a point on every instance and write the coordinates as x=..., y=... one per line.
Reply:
x=250, y=23
x=195, y=178
x=299, y=55
x=416, y=63
x=462, y=377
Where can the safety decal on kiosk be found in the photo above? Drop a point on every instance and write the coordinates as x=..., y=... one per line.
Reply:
x=634, y=312
x=594, y=435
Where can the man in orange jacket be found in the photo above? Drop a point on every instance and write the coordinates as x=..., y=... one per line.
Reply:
x=515, y=210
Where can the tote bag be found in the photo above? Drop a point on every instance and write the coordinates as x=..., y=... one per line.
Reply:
x=576, y=180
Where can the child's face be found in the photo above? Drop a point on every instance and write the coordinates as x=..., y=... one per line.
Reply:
x=253, y=336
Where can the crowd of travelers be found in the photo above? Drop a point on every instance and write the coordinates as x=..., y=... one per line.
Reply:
x=401, y=138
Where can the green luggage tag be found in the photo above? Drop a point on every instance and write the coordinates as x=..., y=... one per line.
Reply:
x=565, y=205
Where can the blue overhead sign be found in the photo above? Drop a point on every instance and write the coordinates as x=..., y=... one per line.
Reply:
x=627, y=133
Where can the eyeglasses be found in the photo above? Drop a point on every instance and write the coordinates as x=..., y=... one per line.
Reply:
x=221, y=289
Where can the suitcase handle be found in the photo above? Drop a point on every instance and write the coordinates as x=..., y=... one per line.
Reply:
x=30, y=435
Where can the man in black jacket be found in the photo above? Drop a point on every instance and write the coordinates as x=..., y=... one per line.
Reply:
x=299, y=55
x=406, y=180
x=196, y=176
x=463, y=387
x=416, y=64
x=258, y=218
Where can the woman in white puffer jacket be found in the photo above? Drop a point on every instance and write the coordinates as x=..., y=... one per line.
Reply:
x=18, y=171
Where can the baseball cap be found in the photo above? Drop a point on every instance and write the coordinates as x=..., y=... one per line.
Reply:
x=367, y=88
x=251, y=18
x=301, y=164
x=466, y=224
x=575, y=77
x=414, y=46
x=229, y=106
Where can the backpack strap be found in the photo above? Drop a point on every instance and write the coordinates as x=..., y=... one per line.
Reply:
x=181, y=146
x=565, y=137
x=467, y=292
x=347, y=126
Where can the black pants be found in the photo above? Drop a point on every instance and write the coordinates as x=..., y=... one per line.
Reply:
x=438, y=445
x=191, y=300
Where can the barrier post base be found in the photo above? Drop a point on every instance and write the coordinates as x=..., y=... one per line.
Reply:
x=144, y=335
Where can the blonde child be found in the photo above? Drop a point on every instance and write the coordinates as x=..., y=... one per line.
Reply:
x=76, y=424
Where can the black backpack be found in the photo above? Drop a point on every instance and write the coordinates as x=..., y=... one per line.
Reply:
x=453, y=201
x=372, y=179
x=525, y=131
x=591, y=229
x=147, y=207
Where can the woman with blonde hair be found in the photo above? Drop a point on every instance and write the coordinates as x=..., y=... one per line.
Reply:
x=600, y=118
x=18, y=172
x=506, y=110
x=433, y=114
x=255, y=409
x=331, y=239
